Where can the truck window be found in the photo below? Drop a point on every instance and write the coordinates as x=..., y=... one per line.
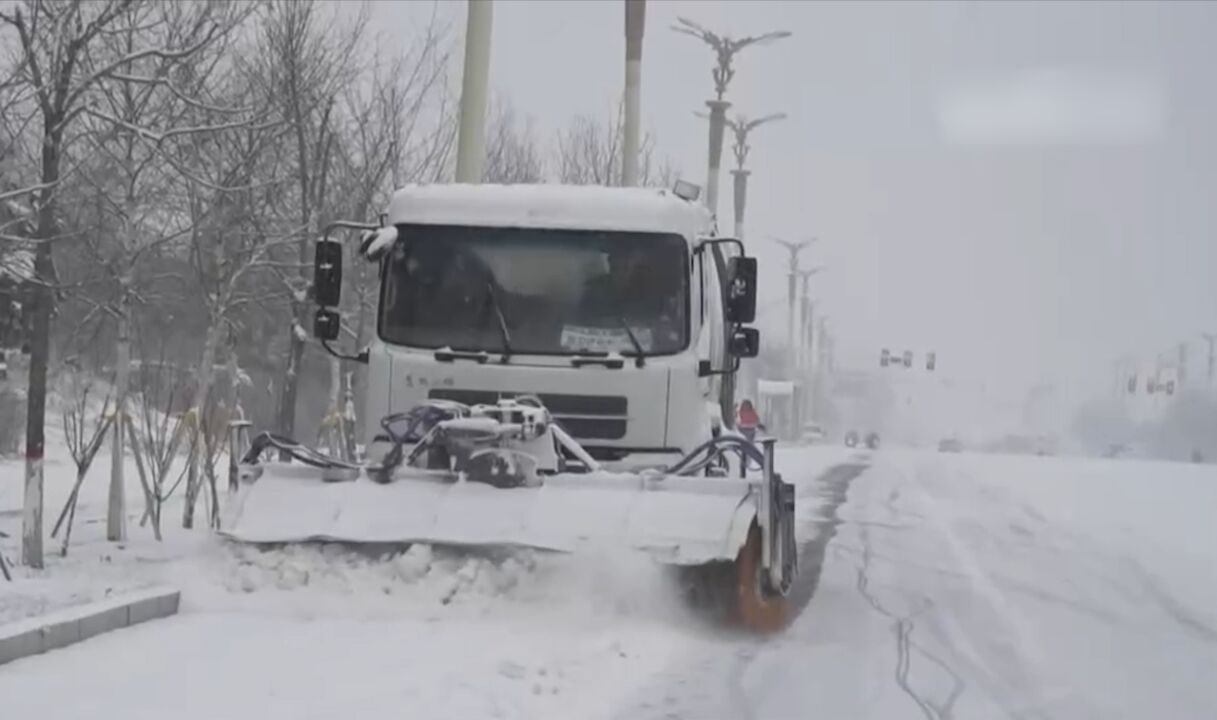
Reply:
x=560, y=291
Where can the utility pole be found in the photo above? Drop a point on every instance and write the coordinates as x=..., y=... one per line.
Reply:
x=725, y=49
x=792, y=287
x=794, y=248
x=806, y=357
x=806, y=329
x=635, y=23
x=1181, y=373
x=471, y=138
x=1211, y=339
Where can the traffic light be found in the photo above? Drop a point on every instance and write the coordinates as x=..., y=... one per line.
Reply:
x=885, y=358
x=908, y=358
x=1132, y=385
x=931, y=360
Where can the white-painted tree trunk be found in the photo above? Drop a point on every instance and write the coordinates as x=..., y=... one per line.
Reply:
x=335, y=414
x=31, y=519
x=116, y=508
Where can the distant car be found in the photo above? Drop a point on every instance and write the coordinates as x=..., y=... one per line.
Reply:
x=872, y=440
x=812, y=433
x=851, y=438
x=950, y=445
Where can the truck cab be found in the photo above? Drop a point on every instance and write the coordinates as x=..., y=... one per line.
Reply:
x=616, y=307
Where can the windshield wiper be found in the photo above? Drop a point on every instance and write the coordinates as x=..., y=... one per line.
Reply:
x=639, y=361
x=498, y=310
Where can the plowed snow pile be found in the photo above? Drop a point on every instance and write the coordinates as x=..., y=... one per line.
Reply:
x=331, y=579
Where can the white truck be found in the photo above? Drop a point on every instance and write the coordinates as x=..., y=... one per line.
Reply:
x=609, y=304
x=553, y=368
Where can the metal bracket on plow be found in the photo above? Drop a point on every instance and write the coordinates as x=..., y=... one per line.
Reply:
x=775, y=516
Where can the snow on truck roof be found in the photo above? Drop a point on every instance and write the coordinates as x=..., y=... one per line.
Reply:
x=586, y=207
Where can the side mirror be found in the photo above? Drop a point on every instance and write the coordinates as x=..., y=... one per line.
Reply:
x=325, y=325
x=746, y=342
x=741, y=290
x=327, y=273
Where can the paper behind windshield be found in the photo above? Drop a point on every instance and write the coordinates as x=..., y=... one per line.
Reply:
x=592, y=339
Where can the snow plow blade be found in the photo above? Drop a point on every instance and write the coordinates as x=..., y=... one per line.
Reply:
x=676, y=520
x=504, y=476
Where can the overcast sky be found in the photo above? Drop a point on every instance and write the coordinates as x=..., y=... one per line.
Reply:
x=1027, y=188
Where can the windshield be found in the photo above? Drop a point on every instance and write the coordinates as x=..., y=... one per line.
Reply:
x=555, y=291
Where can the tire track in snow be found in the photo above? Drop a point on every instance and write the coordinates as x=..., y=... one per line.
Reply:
x=903, y=626
x=1175, y=610
x=833, y=488
x=729, y=691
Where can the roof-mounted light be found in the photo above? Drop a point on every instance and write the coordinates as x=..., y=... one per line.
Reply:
x=686, y=190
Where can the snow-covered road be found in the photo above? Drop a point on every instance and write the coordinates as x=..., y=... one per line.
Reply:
x=954, y=586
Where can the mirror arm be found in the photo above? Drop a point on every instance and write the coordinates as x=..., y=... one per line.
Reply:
x=704, y=369
x=350, y=225
x=361, y=358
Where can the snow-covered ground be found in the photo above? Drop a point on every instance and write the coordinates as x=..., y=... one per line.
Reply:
x=959, y=586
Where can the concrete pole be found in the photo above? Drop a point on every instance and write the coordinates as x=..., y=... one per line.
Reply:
x=718, y=123
x=1212, y=365
x=471, y=140
x=806, y=330
x=794, y=248
x=741, y=199
x=635, y=23
x=791, y=298
x=810, y=348
x=1181, y=372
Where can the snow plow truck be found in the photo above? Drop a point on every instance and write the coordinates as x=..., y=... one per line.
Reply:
x=552, y=369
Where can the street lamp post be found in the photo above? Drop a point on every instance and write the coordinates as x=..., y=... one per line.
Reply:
x=792, y=278
x=725, y=49
x=1210, y=339
x=806, y=354
x=740, y=128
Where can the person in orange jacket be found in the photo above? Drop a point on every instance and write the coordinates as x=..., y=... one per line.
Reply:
x=749, y=421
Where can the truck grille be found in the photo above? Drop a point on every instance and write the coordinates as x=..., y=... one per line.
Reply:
x=585, y=417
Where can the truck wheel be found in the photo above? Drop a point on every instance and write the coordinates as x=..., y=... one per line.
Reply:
x=756, y=608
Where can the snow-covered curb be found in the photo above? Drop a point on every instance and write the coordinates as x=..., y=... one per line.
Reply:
x=35, y=635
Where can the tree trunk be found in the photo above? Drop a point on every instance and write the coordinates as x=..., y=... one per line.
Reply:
x=40, y=347
x=286, y=420
x=116, y=510
x=199, y=407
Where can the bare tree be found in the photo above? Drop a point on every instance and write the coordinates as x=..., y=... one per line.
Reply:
x=231, y=245
x=61, y=62
x=512, y=153
x=394, y=129
x=309, y=61
x=84, y=437
x=588, y=152
x=129, y=130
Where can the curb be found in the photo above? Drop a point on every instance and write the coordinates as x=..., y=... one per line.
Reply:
x=36, y=635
